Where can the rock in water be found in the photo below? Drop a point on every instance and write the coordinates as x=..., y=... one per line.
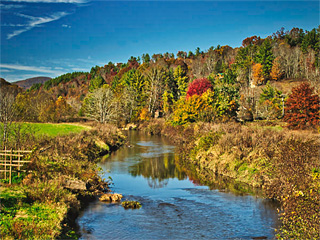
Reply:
x=110, y=197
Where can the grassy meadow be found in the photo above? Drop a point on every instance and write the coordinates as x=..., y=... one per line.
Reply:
x=54, y=129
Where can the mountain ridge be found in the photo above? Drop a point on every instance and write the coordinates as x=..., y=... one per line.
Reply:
x=27, y=83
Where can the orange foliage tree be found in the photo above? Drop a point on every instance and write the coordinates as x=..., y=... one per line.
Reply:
x=276, y=72
x=257, y=74
x=302, y=107
x=62, y=109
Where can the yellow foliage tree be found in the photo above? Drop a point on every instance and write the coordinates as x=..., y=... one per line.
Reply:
x=62, y=108
x=257, y=74
x=144, y=114
x=190, y=110
x=276, y=72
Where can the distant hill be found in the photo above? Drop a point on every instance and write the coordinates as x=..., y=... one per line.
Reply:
x=3, y=82
x=25, y=84
x=15, y=89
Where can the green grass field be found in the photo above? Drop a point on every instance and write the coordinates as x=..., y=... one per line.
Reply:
x=51, y=129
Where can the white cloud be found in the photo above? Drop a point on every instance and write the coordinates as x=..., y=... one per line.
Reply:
x=65, y=26
x=29, y=68
x=13, y=78
x=4, y=70
x=10, y=6
x=80, y=69
x=13, y=25
x=35, y=22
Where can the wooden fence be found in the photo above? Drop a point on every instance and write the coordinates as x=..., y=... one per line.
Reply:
x=12, y=161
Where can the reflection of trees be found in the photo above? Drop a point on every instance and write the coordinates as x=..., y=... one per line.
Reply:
x=157, y=183
x=214, y=181
x=157, y=170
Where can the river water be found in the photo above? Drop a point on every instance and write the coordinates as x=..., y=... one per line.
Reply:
x=173, y=206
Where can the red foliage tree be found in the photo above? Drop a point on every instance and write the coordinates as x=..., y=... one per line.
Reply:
x=302, y=107
x=198, y=87
x=251, y=41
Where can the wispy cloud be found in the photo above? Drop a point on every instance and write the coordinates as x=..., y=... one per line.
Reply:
x=13, y=25
x=35, y=22
x=10, y=6
x=49, y=1
x=4, y=70
x=65, y=26
x=29, y=68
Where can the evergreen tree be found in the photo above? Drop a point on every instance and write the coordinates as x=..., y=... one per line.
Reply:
x=265, y=57
x=181, y=80
x=96, y=83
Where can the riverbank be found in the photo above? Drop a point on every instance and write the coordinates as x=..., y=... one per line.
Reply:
x=283, y=164
x=61, y=178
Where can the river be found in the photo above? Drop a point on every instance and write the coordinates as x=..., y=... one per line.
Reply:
x=173, y=206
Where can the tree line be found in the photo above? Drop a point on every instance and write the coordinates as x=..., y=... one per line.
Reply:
x=219, y=84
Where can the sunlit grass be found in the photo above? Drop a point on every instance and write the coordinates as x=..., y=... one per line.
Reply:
x=51, y=129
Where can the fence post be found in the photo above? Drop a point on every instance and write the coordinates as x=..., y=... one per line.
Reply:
x=10, y=181
x=18, y=162
x=5, y=163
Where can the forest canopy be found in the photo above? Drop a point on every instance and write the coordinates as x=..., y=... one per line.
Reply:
x=218, y=84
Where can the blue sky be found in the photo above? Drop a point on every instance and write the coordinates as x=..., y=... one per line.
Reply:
x=53, y=37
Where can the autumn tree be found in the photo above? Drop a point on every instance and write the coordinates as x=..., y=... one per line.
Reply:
x=302, y=107
x=7, y=99
x=62, y=109
x=190, y=110
x=198, y=87
x=146, y=58
x=311, y=39
x=99, y=105
x=222, y=102
x=257, y=74
x=270, y=103
x=167, y=99
x=249, y=41
x=181, y=54
x=294, y=37
x=182, y=81
x=155, y=87
x=96, y=83
x=243, y=64
x=276, y=72
x=25, y=107
x=132, y=88
x=198, y=52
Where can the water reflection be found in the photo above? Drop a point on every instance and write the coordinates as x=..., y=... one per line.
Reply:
x=157, y=170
